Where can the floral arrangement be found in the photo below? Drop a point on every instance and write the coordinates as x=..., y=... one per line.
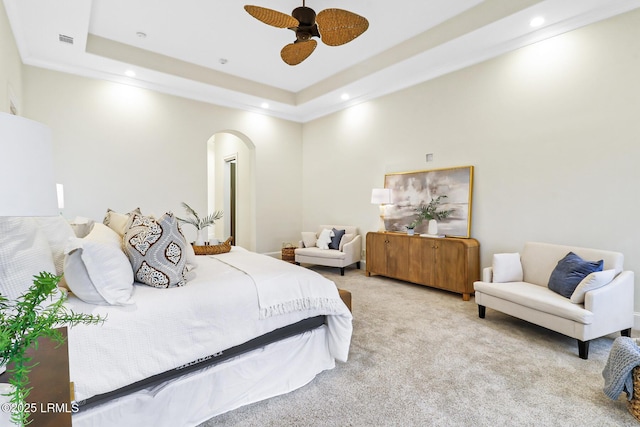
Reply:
x=22, y=322
x=430, y=211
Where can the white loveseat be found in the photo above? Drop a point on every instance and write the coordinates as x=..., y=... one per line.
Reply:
x=348, y=251
x=605, y=310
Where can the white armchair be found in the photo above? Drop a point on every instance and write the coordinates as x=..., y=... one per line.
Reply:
x=346, y=251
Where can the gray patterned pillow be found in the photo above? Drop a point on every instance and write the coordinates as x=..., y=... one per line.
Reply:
x=156, y=250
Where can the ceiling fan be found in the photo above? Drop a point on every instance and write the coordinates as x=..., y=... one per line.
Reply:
x=334, y=27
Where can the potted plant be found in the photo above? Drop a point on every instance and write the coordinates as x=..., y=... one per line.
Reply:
x=431, y=213
x=32, y=315
x=411, y=227
x=200, y=223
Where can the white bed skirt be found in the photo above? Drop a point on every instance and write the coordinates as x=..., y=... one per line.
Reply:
x=276, y=369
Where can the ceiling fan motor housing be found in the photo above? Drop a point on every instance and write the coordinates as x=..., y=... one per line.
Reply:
x=305, y=16
x=307, y=27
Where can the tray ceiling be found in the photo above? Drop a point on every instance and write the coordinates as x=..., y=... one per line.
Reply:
x=213, y=51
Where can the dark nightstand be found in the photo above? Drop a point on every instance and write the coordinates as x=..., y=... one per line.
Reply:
x=51, y=392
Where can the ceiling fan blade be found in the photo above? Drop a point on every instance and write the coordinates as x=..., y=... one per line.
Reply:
x=338, y=26
x=295, y=53
x=271, y=17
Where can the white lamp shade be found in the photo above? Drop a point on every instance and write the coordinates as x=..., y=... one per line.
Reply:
x=27, y=183
x=381, y=196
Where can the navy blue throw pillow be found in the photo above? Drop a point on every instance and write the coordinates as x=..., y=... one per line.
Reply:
x=335, y=240
x=569, y=273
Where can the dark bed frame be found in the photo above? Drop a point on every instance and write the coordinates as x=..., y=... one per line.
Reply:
x=300, y=327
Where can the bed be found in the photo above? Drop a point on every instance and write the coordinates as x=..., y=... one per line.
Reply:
x=243, y=328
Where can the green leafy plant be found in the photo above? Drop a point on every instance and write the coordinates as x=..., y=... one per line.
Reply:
x=430, y=211
x=196, y=221
x=22, y=322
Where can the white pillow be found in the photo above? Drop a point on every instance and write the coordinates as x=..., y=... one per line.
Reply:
x=324, y=238
x=96, y=269
x=593, y=281
x=58, y=232
x=24, y=252
x=507, y=268
x=346, y=239
x=309, y=239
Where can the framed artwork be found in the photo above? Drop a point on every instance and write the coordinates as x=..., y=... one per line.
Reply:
x=411, y=190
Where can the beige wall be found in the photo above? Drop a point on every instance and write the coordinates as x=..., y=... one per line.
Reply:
x=552, y=129
x=121, y=147
x=11, y=69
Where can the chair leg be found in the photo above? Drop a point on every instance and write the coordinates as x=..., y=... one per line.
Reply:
x=342, y=271
x=482, y=311
x=626, y=332
x=583, y=349
x=358, y=265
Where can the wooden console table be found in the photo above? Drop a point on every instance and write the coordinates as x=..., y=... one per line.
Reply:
x=50, y=396
x=447, y=263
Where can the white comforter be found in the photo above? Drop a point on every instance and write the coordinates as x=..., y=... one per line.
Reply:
x=233, y=298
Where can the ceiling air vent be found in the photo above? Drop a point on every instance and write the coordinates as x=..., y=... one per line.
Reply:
x=65, y=39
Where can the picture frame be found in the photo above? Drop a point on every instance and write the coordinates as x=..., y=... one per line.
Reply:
x=410, y=190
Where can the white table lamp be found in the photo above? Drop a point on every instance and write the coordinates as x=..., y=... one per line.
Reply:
x=27, y=183
x=381, y=197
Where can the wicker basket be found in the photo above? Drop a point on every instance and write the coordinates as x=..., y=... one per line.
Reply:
x=634, y=403
x=288, y=254
x=213, y=249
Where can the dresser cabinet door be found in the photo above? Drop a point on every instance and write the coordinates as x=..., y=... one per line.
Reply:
x=398, y=256
x=376, y=254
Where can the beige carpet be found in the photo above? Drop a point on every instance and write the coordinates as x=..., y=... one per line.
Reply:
x=422, y=357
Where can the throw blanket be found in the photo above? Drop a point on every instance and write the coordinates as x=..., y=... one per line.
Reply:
x=617, y=373
x=283, y=287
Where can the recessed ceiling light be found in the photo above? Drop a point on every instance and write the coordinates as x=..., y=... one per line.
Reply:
x=265, y=105
x=537, y=21
x=345, y=97
x=223, y=61
x=141, y=34
x=130, y=73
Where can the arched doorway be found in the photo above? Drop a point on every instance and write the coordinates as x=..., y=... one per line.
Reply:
x=231, y=186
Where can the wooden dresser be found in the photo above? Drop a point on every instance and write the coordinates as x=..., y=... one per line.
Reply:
x=447, y=263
